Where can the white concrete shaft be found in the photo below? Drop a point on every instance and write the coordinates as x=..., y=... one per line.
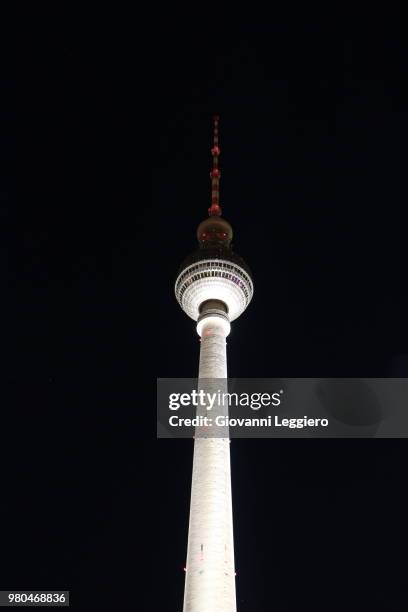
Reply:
x=210, y=569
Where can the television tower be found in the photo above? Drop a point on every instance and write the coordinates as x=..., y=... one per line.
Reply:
x=214, y=287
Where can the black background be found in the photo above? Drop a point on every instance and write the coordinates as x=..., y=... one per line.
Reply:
x=314, y=132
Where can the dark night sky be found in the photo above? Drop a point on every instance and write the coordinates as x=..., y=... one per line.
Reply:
x=314, y=132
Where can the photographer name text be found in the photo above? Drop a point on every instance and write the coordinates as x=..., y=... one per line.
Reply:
x=226, y=421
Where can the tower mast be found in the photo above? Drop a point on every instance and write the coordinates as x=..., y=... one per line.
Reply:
x=215, y=174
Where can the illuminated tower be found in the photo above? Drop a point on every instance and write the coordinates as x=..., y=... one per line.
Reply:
x=214, y=287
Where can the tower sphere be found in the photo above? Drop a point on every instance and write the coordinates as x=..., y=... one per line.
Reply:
x=214, y=272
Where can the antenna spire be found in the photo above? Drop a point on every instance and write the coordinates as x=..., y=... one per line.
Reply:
x=215, y=174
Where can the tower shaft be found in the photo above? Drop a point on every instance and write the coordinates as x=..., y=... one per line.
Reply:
x=210, y=570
